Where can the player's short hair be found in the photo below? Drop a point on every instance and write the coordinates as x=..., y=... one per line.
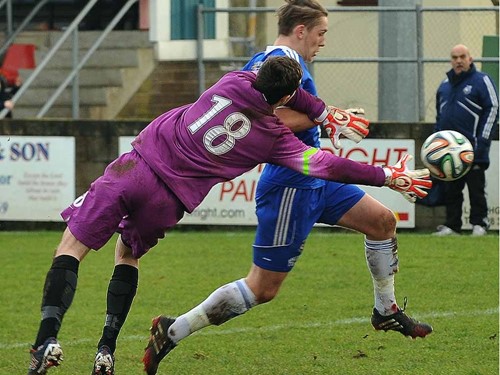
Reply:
x=299, y=12
x=277, y=77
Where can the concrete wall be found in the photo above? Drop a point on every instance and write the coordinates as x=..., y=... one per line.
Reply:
x=97, y=145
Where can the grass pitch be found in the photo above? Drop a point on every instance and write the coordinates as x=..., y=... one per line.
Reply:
x=318, y=324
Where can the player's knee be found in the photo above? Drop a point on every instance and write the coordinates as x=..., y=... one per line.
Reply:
x=385, y=226
x=389, y=222
x=266, y=295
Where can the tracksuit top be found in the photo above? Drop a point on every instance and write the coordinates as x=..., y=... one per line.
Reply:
x=468, y=104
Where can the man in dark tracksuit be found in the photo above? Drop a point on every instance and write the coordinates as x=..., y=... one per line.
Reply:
x=467, y=102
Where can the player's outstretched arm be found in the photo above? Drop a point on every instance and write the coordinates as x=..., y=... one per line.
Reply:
x=298, y=121
x=410, y=183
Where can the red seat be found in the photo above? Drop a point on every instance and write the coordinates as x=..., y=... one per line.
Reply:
x=18, y=56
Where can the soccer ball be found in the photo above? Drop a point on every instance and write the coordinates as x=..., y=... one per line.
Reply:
x=447, y=154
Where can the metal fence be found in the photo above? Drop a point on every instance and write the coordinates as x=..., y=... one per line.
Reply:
x=350, y=70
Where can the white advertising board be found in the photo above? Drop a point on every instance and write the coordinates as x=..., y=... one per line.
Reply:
x=232, y=202
x=37, y=177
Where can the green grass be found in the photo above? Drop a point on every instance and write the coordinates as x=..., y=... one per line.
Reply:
x=318, y=324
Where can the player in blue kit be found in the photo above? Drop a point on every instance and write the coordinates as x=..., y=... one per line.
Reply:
x=288, y=204
x=174, y=163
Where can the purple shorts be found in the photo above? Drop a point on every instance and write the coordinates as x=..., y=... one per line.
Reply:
x=129, y=198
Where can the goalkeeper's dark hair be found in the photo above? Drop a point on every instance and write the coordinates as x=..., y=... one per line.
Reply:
x=299, y=12
x=278, y=76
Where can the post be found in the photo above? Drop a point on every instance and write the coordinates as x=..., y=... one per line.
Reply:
x=76, y=81
x=199, y=49
x=397, y=81
x=420, y=66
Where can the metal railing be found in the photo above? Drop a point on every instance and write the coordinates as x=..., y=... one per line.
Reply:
x=78, y=64
x=11, y=35
x=8, y=14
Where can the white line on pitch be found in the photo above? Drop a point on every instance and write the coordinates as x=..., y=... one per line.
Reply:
x=277, y=327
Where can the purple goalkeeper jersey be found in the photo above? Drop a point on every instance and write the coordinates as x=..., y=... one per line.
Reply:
x=228, y=131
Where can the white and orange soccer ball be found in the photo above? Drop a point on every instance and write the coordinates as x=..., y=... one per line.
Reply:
x=447, y=154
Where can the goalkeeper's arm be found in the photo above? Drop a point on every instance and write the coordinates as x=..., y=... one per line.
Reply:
x=294, y=120
x=298, y=121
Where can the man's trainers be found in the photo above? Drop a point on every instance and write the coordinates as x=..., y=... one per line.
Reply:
x=443, y=230
x=478, y=230
x=159, y=344
x=104, y=362
x=45, y=356
x=400, y=322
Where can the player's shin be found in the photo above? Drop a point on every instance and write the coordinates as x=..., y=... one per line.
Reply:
x=121, y=292
x=382, y=261
x=58, y=293
x=225, y=303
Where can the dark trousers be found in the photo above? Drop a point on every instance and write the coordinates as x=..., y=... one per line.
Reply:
x=454, y=198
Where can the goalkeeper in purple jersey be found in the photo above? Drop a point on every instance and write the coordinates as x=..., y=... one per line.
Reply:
x=289, y=203
x=175, y=161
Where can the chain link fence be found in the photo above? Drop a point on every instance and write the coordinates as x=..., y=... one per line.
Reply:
x=350, y=70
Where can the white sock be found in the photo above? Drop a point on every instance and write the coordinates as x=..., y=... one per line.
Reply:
x=382, y=261
x=225, y=303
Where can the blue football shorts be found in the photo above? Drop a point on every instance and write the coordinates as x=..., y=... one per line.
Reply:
x=286, y=216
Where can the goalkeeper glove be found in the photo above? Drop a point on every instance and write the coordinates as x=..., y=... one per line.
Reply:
x=347, y=123
x=407, y=182
x=356, y=111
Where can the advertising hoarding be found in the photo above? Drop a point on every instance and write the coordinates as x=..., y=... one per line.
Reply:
x=37, y=177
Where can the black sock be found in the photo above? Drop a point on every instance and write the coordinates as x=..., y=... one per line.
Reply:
x=121, y=293
x=58, y=293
